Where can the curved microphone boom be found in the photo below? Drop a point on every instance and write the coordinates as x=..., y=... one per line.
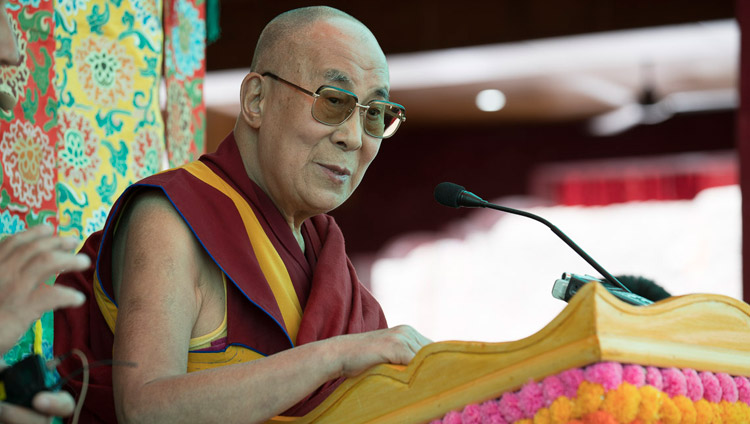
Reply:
x=455, y=196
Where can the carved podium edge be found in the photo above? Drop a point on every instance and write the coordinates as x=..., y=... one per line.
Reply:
x=702, y=332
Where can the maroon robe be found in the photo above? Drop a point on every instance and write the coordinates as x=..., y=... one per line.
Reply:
x=333, y=300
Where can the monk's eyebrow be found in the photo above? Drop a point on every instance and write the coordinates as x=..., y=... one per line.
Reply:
x=336, y=76
x=383, y=93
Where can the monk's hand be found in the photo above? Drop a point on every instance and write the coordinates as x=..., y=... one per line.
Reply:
x=396, y=345
x=46, y=405
x=27, y=259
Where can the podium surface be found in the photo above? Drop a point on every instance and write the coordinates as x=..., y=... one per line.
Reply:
x=702, y=332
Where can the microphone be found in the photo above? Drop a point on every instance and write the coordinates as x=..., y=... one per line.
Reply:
x=455, y=196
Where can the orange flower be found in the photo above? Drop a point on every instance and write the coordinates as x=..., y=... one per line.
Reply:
x=599, y=417
x=561, y=410
x=542, y=416
x=651, y=400
x=687, y=409
x=669, y=412
x=731, y=413
x=623, y=402
x=590, y=396
x=704, y=411
x=717, y=413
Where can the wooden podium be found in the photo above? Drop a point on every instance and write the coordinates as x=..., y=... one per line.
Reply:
x=700, y=332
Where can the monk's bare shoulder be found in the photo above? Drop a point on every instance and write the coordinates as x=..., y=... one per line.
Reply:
x=158, y=258
x=151, y=234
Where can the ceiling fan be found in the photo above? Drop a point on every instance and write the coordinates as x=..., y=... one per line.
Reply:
x=649, y=107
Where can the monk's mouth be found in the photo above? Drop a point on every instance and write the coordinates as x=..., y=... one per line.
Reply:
x=337, y=170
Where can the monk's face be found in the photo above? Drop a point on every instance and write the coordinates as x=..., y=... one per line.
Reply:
x=9, y=54
x=308, y=167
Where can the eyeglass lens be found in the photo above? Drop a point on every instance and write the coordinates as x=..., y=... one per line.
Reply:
x=333, y=107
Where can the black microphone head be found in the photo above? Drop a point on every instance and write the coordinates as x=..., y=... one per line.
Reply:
x=447, y=194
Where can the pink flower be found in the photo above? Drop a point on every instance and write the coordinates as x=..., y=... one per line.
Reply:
x=743, y=389
x=471, y=414
x=552, y=388
x=694, y=384
x=634, y=374
x=491, y=413
x=452, y=417
x=711, y=387
x=674, y=382
x=729, y=391
x=509, y=407
x=572, y=379
x=530, y=399
x=654, y=378
x=608, y=374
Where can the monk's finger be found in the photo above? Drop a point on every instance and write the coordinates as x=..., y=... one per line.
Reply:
x=57, y=404
x=13, y=414
x=49, y=298
x=50, y=263
x=12, y=242
x=37, y=260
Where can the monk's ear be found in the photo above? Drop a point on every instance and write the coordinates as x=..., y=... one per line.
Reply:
x=251, y=99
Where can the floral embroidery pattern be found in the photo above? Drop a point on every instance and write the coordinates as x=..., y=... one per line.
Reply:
x=28, y=163
x=147, y=153
x=10, y=224
x=28, y=138
x=184, y=74
x=179, y=125
x=87, y=102
x=106, y=71
x=96, y=222
x=148, y=13
x=78, y=156
x=70, y=7
x=32, y=3
x=13, y=78
x=188, y=40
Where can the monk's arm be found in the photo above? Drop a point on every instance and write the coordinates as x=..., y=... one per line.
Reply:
x=159, y=303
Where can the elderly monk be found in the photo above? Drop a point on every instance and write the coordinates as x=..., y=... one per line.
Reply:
x=224, y=280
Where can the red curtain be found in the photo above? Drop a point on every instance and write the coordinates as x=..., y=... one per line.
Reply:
x=607, y=181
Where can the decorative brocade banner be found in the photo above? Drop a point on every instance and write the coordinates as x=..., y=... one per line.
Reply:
x=88, y=120
x=185, y=70
x=28, y=137
x=108, y=63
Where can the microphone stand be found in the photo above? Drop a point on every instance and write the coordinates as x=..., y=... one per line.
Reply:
x=566, y=239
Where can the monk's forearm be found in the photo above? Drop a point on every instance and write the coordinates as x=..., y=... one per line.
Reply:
x=258, y=390
x=248, y=392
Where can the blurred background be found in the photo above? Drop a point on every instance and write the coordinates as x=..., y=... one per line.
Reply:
x=614, y=120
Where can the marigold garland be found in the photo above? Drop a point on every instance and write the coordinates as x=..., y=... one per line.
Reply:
x=687, y=410
x=650, y=405
x=590, y=396
x=622, y=403
x=610, y=393
x=669, y=412
x=561, y=410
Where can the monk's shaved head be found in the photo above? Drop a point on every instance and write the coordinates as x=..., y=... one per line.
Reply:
x=286, y=41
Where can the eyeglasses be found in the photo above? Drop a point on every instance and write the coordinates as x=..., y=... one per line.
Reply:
x=333, y=106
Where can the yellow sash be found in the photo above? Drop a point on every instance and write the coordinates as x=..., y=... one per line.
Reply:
x=271, y=265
